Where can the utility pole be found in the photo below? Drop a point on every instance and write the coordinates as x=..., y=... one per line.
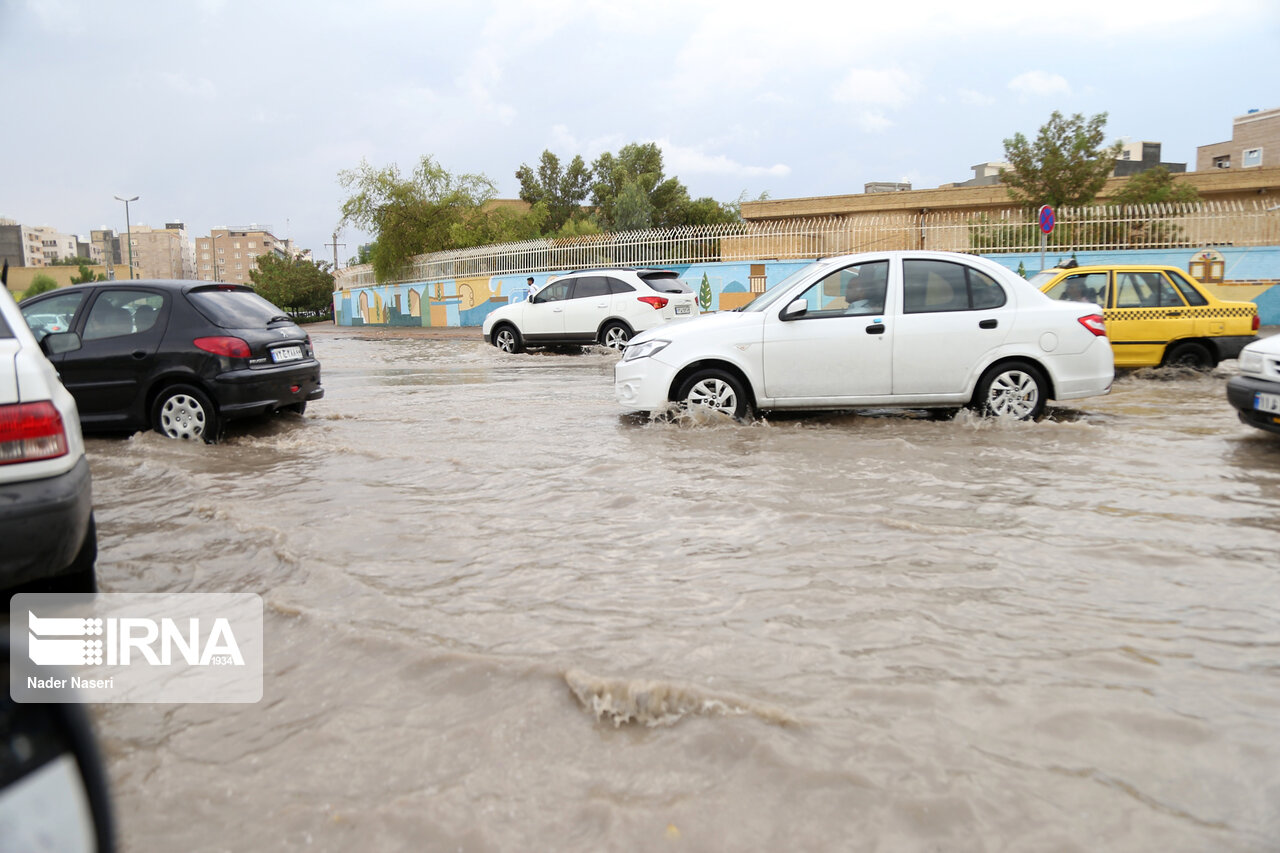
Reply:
x=128, y=231
x=335, y=244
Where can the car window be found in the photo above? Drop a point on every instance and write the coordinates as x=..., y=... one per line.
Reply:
x=55, y=314
x=591, y=285
x=665, y=282
x=1187, y=289
x=1145, y=290
x=122, y=312
x=234, y=309
x=617, y=285
x=856, y=290
x=1081, y=287
x=553, y=292
x=931, y=286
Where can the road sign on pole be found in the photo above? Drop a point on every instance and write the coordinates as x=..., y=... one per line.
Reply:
x=1047, y=220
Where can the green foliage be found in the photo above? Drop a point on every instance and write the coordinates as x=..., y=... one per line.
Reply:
x=560, y=191
x=410, y=216
x=86, y=275
x=40, y=283
x=1065, y=165
x=77, y=261
x=485, y=227
x=297, y=286
x=1022, y=269
x=632, y=210
x=638, y=167
x=1156, y=186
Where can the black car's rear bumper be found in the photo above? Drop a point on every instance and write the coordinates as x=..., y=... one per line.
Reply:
x=243, y=393
x=1240, y=394
x=1229, y=346
x=43, y=524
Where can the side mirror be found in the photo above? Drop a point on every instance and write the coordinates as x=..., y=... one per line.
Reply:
x=795, y=310
x=60, y=342
x=53, y=788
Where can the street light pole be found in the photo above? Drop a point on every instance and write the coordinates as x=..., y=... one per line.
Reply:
x=128, y=230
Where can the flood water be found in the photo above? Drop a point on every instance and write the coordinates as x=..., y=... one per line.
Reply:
x=503, y=615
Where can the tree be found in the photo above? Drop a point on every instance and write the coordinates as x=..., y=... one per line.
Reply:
x=1065, y=166
x=297, y=286
x=639, y=165
x=86, y=275
x=560, y=191
x=40, y=283
x=1156, y=186
x=410, y=216
x=632, y=209
x=704, y=294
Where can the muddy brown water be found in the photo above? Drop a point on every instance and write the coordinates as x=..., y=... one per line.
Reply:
x=501, y=614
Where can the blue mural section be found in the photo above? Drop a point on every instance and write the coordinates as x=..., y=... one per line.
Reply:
x=729, y=284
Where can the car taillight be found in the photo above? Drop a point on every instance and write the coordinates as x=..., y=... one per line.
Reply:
x=223, y=345
x=657, y=302
x=1094, y=323
x=31, y=431
x=1257, y=322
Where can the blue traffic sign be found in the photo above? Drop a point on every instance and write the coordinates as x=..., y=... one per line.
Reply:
x=1047, y=219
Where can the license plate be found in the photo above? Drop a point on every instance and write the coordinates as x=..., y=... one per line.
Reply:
x=683, y=309
x=280, y=354
x=1267, y=403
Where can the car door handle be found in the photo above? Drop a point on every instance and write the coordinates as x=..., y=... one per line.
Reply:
x=1174, y=314
x=875, y=329
x=139, y=354
x=988, y=324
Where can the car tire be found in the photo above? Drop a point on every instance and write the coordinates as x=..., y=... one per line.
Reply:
x=1015, y=390
x=185, y=412
x=1188, y=354
x=507, y=339
x=717, y=391
x=615, y=336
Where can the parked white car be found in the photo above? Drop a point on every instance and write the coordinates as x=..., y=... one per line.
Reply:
x=50, y=542
x=607, y=307
x=911, y=329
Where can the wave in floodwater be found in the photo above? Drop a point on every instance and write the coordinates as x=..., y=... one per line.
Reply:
x=649, y=703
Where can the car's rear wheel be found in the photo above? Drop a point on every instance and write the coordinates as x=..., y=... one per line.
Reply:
x=615, y=336
x=1189, y=354
x=717, y=391
x=183, y=411
x=1013, y=390
x=507, y=339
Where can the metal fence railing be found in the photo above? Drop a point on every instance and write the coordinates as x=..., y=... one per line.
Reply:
x=1090, y=228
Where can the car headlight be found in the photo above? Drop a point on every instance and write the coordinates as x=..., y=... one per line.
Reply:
x=644, y=350
x=1250, y=361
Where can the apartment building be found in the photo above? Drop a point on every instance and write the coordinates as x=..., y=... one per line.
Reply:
x=230, y=253
x=1255, y=141
x=156, y=252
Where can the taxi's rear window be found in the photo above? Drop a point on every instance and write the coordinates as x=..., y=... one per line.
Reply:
x=234, y=309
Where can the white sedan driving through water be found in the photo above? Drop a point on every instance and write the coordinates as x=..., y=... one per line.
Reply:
x=935, y=330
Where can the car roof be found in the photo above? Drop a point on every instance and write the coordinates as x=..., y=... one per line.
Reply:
x=181, y=285
x=636, y=270
x=1116, y=267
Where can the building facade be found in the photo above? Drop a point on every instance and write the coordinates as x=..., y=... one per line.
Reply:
x=157, y=252
x=231, y=253
x=1255, y=143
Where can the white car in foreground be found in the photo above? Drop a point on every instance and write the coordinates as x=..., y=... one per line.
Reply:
x=604, y=307
x=910, y=329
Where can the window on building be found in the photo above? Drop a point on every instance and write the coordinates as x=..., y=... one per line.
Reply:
x=1223, y=162
x=253, y=244
x=1251, y=157
x=236, y=244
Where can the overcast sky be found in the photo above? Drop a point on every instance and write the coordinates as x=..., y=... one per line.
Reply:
x=224, y=112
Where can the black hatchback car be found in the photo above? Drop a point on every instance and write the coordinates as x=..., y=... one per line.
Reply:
x=182, y=357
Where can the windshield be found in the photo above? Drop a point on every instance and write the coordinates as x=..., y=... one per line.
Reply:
x=764, y=300
x=665, y=282
x=1040, y=279
x=235, y=309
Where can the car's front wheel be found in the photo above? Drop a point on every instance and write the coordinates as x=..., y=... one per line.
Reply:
x=1189, y=354
x=183, y=411
x=717, y=391
x=1013, y=390
x=507, y=339
x=615, y=336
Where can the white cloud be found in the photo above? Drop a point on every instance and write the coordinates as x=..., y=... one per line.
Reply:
x=1040, y=84
x=973, y=98
x=680, y=160
x=888, y=87
x=873, y=122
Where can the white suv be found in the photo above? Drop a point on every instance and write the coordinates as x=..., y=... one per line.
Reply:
x=914, y=329
x=47, y=529
x=603, y=307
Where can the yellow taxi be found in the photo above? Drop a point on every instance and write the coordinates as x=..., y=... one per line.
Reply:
x=1155, y=314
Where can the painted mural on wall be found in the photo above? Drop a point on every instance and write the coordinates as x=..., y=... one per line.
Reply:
x=1248, y=274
